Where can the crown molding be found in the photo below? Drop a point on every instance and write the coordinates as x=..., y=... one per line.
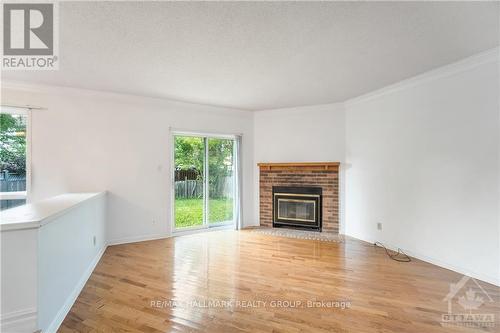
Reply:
x=473, y=61
x=114, y=96
x=302, y=108
x=463, y=65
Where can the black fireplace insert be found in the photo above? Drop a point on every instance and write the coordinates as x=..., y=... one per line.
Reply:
x=297, y=207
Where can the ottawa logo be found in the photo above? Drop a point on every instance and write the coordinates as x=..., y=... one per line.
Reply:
x=469, y=295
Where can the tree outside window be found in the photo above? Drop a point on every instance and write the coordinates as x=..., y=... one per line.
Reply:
x=12, y=159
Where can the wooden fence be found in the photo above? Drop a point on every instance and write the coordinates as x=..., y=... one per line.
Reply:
x=10, y=182
x=190, y=189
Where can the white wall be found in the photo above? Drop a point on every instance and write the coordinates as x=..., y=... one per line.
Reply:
x=88, y=141
x=303, y=134
x=47, y=254
x=19, y=280
x=67, y=256
x=423, y=159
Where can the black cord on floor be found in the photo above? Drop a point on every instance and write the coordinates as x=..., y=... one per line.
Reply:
x=400, y=256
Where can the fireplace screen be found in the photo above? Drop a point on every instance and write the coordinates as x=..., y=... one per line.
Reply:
x=297, y=207
x=297, y=210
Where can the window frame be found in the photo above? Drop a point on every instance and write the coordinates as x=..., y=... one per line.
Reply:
x=205, y=226
x=21, y=195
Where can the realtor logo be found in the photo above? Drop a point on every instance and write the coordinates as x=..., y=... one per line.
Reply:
x=29, y=36
x=470, y=296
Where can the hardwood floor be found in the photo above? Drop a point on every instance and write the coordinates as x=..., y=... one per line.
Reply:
x=130, y=289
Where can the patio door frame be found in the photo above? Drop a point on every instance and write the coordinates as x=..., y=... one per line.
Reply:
x=206, y=223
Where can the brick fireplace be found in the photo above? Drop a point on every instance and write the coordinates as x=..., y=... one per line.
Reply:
x=323, y=176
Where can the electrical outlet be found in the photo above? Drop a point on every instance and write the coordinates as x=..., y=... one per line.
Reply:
x=379, y=226
x=94, y=240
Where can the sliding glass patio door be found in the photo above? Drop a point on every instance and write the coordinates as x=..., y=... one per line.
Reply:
x=204, y=181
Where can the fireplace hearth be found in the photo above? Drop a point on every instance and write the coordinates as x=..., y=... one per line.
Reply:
x=297, y=207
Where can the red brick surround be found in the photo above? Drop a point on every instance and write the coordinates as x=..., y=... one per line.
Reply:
x=325, y=175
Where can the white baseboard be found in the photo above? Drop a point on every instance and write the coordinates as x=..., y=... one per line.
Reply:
x=19, y=321
x=476, y=275
x=143, y=238
x=198, y=231
x=134, y=239
x=63, y=311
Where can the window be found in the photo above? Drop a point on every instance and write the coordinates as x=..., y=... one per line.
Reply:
x=14, y=157
x=204, y=181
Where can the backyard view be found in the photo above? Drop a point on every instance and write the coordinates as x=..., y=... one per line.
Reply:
x=189, y=212
x=191, y=169
x=12, y=156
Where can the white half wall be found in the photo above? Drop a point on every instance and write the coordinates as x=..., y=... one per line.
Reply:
x=69, y=247
x=19, y=280
x=49, y=250
x=302, y=134
x=423, y=160
x=89, y=141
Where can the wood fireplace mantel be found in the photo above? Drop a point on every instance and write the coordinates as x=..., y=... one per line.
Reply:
x=332, y=166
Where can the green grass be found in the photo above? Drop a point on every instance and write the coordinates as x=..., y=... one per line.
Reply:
x=189, y=212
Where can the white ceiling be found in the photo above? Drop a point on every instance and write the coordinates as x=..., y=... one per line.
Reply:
x=261, y=55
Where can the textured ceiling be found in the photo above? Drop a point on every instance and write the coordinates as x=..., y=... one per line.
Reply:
x=261, y=55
